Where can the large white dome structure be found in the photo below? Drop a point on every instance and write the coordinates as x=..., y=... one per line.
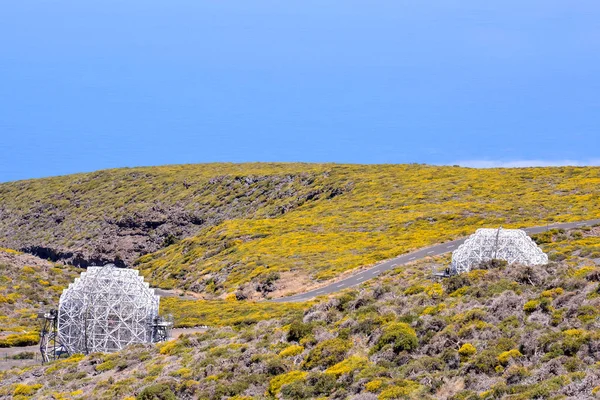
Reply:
x=106, y=309
x=511, y=245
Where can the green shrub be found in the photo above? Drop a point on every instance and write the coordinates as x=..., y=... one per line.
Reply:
x=400, y=335
x=25, y=355
x=552, y=292
x=456, y=282
x=156, y=392
x=428, y=364
x=573, y=364
x=573, y=340
x=368, y=324
x=106, y=365
x=493, y=264
x=298, y=330
x=546, y=304
x=475, y=314
x=284, y=379
x=401, y=390
x=587, y=313
x=275, y=366
x=515, y=373
x=320, y=384
x=414, y=289
x=485, y=362
x=327, y=353
x=542, y=238
x=504, y=344
x=296, y=390
x=557, y=317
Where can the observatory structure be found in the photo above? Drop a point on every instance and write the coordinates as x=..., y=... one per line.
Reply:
x=104, y=310
x=511, y=245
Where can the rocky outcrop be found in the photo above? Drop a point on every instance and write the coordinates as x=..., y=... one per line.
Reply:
x=83, y=224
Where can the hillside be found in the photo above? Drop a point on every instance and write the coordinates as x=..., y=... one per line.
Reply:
x=28, y=285
x=262, y=230
x=117, y=215
x=496, y=332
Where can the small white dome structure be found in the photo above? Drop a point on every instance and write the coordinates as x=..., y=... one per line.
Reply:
x=511, y=245
x=106, y=309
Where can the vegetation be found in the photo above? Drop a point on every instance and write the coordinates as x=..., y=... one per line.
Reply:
x=400, y=336
x=28, y=285
x=239, y=233
x=24, y=355
x=117, y=215
x=388, y=210
x=327, y=353
x=190, y=313
x=156, y=392
x=260, y=230
x=475, y=341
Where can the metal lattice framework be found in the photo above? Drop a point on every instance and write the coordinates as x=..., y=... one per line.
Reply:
x=50, y=347
x=511, y=245
x=106, y=309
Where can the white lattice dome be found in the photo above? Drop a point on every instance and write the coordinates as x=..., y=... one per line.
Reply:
x=106, y=309
x=511, y=245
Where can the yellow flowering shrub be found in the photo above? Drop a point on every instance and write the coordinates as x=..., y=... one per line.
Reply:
x=506, y=356
x=552, y=292
x=400, y=390
x=531, y=305
x=348, y=365
x=583, y=271
x=373, y=386
x=26, y=390
x=467, y=350
x=435, y=291
x=277, y=382
x=292, y=350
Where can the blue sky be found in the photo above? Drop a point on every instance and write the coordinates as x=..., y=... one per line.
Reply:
x=93, y=84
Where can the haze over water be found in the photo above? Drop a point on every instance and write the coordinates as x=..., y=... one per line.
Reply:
x=100, y=84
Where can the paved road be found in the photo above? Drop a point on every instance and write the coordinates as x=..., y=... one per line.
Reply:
x=432, y=251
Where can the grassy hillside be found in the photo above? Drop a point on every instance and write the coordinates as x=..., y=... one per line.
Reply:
x=116, y=215
x=514, y=333
x=269, y=229
x=388, y=210
x=28, y=285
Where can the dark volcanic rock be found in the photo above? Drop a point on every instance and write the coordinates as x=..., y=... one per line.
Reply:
x=82, y=223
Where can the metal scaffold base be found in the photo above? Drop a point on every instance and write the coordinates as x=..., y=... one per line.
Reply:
x=50, y=347
x=104, y=310
x=510, y=245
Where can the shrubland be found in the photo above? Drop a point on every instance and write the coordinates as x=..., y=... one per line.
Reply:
x=28, y=285
x=384, y=211
x=191, y=313
x=499, y=331
x=117, y=215
x=266, y=230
